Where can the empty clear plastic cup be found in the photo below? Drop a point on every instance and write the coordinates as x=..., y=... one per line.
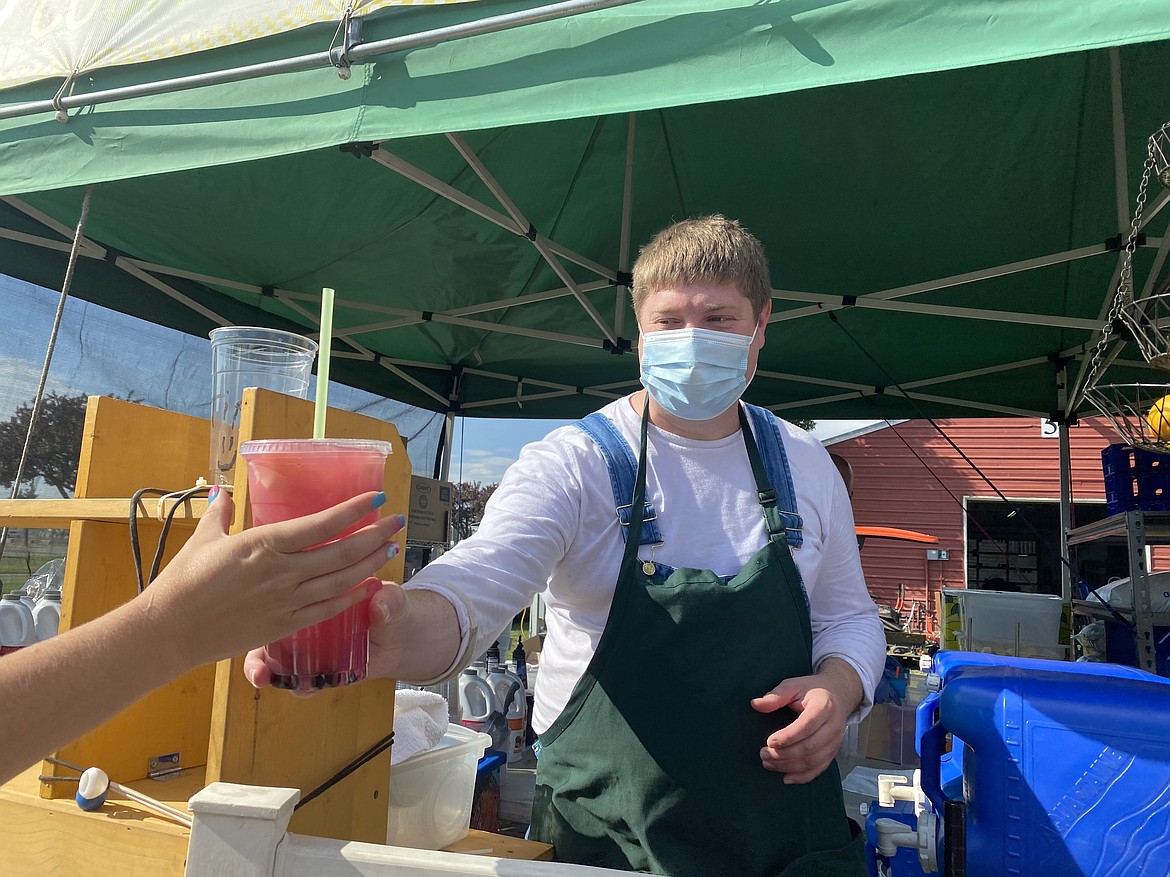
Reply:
x=249, y=356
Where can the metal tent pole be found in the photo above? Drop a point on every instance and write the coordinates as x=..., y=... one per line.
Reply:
x=328, y=58
x=40, y=394
x=448, y=438
x=623, y=291
x=1065, y=508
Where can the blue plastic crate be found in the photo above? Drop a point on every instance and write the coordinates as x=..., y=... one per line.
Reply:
x=1135, y=479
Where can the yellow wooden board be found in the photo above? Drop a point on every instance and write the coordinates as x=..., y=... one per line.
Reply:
x=273, y=738
x=58, y=514
x=126, y=447
x=56, y=839
x=212, y=714
x=499, y=846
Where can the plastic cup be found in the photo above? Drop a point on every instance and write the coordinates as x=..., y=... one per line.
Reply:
x=290, y=478
x=249, y=356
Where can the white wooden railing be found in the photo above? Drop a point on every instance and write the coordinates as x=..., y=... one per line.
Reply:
x=241, y=831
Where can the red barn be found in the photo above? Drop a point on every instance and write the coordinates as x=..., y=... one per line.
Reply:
x=947, y=481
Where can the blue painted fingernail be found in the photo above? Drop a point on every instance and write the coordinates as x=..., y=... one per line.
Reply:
x=212, y=494
x=392, y=551
x=401, y=520
x=378, y=501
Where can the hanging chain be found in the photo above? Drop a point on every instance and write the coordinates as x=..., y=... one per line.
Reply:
x=1124, y=294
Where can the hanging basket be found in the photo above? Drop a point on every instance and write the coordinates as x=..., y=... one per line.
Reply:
x=1159, y=151
x=1148, y=320
x=1139, y=412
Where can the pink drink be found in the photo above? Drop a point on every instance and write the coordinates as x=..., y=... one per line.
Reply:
x=290, y=478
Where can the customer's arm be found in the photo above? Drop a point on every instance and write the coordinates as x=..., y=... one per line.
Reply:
x=219, y=596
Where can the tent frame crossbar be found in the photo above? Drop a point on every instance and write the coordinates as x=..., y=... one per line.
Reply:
x=903, y=390
x=515, y=222
x=145, y=272
x=985, y=314
x=88, y=248
x=923, y=397
x=356, y=52
x=529, y=298
x=622, y=293
x=521, y=221
x=837, y=302
x=393, y=162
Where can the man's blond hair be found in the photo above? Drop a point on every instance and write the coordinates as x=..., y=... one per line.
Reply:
x=708, y=249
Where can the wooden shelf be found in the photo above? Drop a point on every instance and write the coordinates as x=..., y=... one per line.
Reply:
x=56, y=837
x=60, y=513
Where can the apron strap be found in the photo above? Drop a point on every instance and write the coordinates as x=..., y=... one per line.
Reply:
x=639, y=501
x=775, y=520
x=779, y=475
x=619, y=459
x=783, y=526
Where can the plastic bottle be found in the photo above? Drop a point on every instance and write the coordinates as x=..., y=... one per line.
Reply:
x=492, y=657
x=16, y=622
x=477, y=701
x=510, y=696
x=520, y=659
x=47, y=615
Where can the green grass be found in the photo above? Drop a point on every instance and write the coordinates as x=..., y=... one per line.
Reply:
x=17, y=566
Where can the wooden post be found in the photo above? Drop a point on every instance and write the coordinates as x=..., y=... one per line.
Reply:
x=272, y=738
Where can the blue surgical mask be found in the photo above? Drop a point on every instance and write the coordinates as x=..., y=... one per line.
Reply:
x=695, y=374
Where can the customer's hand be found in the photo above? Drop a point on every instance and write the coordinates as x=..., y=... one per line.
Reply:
x=224, y=594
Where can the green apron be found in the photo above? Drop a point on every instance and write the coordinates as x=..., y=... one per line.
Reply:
x=654, y=763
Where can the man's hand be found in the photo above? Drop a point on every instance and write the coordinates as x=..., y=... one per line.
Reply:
x=822, y=703
x=414, y=634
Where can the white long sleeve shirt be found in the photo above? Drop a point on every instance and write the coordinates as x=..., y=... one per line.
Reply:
x=550, y=528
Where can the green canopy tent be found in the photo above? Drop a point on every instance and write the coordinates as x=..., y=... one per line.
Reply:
x=944, y=190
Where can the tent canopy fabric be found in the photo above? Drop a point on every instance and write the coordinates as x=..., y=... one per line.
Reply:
x=942, y=188
x=54, y=38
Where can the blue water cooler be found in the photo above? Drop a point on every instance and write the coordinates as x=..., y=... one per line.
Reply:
x=1055, y=768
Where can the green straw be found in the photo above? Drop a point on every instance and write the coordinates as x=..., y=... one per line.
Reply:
x=325, y=342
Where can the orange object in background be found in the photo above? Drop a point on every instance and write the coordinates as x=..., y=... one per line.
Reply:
x=893, y=533
x=919, y=618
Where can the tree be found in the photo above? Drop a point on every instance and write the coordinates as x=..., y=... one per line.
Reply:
x=55, y=447
x=467, y=507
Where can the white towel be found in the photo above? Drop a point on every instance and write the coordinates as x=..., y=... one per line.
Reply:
x=420, y=721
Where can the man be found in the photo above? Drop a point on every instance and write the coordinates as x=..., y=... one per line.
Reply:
x=709, y=630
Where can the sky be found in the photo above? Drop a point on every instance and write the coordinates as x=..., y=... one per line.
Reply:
x=484, y=447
